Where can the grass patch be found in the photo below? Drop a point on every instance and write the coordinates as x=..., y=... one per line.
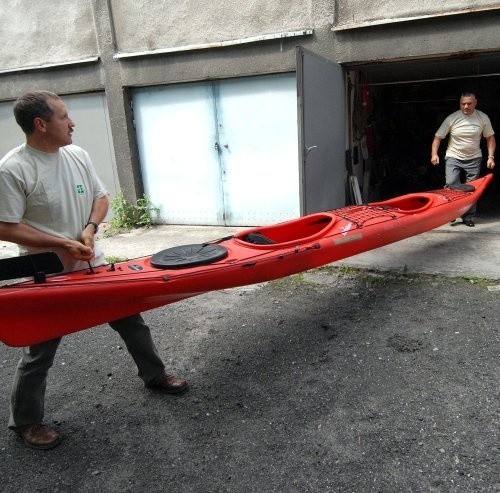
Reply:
x=294, y=281
x=127, y=216
x=114, y=260
x=477, y=280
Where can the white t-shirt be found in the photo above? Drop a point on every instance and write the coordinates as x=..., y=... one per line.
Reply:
x=53, y=192
x=465, y=134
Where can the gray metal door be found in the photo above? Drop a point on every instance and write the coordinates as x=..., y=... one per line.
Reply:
x=176, y=132
x=321, y=100
x=220, y=153
x=92, y=132
x=257, y=132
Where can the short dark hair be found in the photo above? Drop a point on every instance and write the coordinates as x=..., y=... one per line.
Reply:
x=33, y=105
x=468, y=94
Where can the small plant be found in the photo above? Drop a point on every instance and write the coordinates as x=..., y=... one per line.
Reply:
x=113, y=259
x=293, y=281
x=346, y=270
x=475, y=280
x=127, y=216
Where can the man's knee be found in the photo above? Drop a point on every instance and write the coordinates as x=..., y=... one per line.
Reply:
x=133, y=321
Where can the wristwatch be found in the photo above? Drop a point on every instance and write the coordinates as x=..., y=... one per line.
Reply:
x=96, y=226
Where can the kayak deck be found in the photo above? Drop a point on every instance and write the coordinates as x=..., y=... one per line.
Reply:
x=64, y=303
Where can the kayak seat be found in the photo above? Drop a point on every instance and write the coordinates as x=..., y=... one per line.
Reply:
x=257, y=239
x=37, y=265
x=188, y=256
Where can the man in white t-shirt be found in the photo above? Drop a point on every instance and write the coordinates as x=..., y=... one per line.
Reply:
x=465, y=128
x=52, y=199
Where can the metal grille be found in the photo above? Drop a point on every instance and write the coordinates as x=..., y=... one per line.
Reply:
x=360, y=214
x=450, y=194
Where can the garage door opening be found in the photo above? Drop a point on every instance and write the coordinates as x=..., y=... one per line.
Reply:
x=398, y=122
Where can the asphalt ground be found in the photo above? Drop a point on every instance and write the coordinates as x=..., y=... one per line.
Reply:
x=378, y=373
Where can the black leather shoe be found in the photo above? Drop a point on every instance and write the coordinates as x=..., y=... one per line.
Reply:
x=469, y=222
x=169, y=384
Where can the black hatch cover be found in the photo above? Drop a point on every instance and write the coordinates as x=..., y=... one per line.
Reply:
x=188, y=256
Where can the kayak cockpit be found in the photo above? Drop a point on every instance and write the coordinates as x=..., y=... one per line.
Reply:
x=407, y=204
x=295, y=232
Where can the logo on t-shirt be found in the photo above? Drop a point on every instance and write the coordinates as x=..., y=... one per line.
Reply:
x=80, y=190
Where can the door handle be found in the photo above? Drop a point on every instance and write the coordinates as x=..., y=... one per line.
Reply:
x=309, y=149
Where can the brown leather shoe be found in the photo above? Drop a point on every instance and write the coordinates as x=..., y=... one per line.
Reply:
x=169, y=384
x=40, y=436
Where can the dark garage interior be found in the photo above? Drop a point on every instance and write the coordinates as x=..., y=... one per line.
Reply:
x=408, y=102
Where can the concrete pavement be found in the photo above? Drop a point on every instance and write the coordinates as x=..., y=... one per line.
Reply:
x=448, y=250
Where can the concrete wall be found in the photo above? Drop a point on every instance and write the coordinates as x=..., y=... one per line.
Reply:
x=352, y=12
x=187, y=22
x=37, y=33
x=368, y=31
x=115, y=45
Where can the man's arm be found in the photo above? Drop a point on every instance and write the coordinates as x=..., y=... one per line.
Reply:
x=434, y=150
x=97, y=214
x=24, y=234
x=491, y=144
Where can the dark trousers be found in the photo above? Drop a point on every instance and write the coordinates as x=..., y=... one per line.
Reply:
x=454, y=168
x=30, y=379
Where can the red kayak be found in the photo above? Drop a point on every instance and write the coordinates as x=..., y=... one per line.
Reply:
x=50, y=306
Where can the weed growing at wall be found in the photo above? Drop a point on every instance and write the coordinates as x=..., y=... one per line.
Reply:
x=127, y=216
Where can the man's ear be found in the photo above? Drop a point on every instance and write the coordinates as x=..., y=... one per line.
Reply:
x=40, y=124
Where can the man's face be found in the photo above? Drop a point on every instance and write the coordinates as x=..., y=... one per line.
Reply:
x=59, y=128
x=468, y=104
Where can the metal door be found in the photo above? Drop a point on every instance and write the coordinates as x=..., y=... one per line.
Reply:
x=220, y=153
x=92, y=132
x=257, y=127
x=176, y=133
x=10, y=132
x=321, y=99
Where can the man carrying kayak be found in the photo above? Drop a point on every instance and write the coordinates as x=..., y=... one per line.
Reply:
x=51, y=199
